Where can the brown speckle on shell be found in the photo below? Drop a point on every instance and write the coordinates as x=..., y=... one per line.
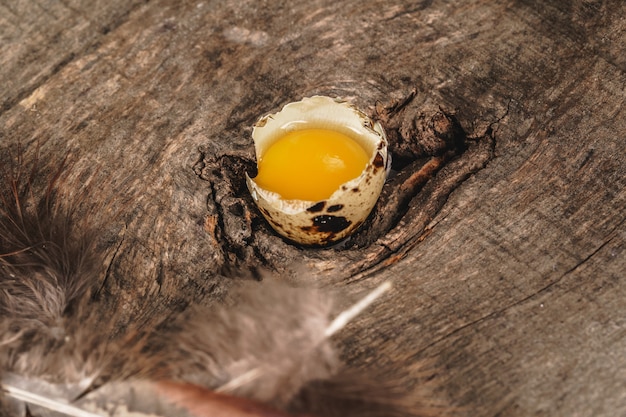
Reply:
x=316, y=207
x=264, y=211
x=328, y=226
x=333, y=224
x=262, y=122
x=379, y=161
x=334, y=208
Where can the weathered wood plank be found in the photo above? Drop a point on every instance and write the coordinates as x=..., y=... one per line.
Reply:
x=515, y=290
x=39, y=38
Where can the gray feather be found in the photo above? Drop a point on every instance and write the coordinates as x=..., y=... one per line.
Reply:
x=267, y=344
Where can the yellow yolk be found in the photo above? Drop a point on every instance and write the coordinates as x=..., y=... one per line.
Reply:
x=310, y=164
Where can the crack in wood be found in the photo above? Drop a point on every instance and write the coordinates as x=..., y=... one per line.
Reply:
x=517, y=303
x=109, y=268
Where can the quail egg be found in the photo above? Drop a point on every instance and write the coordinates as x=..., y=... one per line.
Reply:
x=321, y=167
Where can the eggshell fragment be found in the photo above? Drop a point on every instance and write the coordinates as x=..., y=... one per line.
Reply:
x=327, y=221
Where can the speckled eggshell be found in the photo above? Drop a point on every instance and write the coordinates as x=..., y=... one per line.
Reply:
x=323, y=222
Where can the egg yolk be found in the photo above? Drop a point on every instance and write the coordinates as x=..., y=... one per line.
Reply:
x=310, y=164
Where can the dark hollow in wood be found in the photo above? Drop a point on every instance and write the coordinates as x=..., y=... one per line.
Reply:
x=420, y=143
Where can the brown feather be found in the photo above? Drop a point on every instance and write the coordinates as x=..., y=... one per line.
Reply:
x=47, y=264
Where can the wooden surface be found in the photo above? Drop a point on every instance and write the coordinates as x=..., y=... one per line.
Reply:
x=508, y=266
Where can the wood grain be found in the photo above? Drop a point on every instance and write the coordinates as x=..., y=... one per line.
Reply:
x=511, y=280
x=37, y=39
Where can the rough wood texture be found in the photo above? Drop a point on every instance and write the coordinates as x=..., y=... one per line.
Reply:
x=508, y=265
x=40, y=38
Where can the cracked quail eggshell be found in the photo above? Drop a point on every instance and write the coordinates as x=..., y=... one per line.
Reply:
x=324, y=222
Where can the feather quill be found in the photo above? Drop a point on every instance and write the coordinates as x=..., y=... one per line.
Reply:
x=337, y=324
